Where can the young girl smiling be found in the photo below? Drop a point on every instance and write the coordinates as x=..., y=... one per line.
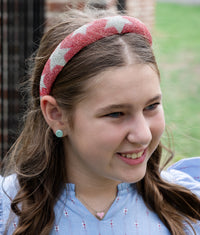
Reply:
x=88, y=158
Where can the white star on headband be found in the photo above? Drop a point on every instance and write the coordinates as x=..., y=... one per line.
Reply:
x=81, y=30
x=58, y=57
x=42, y=85
x=118, y=22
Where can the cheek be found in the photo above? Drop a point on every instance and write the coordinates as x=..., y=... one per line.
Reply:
x=107, y=139
x=158, y=126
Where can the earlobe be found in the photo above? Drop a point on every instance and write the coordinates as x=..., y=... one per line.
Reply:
x=52, y=113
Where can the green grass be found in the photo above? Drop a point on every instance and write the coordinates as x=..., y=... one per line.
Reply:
x=177, y=48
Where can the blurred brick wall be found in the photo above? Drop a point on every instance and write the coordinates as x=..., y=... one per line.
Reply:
x=142, y=9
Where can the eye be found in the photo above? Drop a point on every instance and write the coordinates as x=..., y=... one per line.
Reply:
x=152, y=107
x=115, y=114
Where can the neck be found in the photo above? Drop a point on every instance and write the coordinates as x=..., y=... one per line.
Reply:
x=96, y=199
x=96, y=192
x=89, y=184
x=93, y=187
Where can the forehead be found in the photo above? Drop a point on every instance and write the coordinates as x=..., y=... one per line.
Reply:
x=131, y=81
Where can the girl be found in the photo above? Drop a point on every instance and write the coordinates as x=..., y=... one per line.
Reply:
x=88, y=158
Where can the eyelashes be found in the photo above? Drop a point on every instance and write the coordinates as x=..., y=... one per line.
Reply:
x=115, y=114
x=120, y=114
x=152, y=106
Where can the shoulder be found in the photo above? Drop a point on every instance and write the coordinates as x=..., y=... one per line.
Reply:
x=8, y=185
x=185, y=172
x=8, y=190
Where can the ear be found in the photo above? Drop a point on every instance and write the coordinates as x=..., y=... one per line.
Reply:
x=53, y=114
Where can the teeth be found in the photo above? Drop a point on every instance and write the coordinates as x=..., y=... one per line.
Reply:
x=133, y=155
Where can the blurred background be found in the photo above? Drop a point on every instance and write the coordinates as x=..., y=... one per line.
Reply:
x=175, y=27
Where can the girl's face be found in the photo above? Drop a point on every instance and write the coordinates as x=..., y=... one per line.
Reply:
x=116, y=127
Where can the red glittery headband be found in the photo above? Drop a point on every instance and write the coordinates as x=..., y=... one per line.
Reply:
x=84, y=36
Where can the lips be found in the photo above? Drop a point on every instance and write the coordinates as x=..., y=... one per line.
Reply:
x=133, y=158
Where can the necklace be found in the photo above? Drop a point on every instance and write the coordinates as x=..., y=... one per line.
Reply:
x=98, y=214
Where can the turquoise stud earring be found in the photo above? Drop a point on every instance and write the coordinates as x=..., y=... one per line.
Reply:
x=59, y=133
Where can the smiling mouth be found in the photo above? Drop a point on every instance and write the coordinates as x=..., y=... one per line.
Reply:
x=132, y=155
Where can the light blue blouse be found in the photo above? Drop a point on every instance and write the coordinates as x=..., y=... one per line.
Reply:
x=128, y=214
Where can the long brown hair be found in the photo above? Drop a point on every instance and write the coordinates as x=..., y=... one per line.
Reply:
x=38, y=158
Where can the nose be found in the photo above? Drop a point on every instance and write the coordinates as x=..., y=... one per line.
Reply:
x=139, y=131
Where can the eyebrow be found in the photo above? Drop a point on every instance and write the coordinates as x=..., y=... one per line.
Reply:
x=158, y=97
x=111, y=107
x=114, y=107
